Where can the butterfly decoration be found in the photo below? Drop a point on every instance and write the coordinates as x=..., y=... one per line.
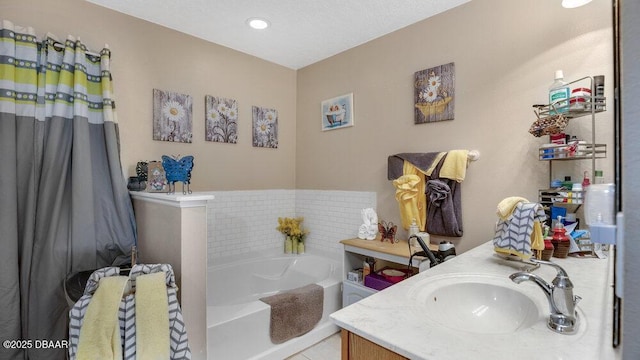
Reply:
x=178, y=170
x=388, y=231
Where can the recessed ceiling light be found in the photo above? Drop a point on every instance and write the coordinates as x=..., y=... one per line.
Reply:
x=570, y=4
x=258, y=23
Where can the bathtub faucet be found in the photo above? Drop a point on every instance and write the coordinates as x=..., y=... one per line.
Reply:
x=562, y=302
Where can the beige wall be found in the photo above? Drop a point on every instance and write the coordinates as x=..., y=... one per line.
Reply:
x=146, y=56
x=505, y=55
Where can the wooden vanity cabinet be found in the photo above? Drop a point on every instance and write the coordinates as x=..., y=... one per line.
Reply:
x=355, y=347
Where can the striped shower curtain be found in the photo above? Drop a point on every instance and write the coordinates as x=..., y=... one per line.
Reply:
x=64, y=206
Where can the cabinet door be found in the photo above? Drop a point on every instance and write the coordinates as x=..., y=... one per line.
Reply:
x=355, y=347
x=352, y=293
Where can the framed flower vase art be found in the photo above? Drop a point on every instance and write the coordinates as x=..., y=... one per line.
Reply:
x=172, y=116
x=265, y=127
x=434, y=94
x=337, y=113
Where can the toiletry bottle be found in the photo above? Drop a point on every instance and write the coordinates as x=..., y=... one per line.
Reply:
x=366, y=268
x=599, y=177
x=413, y=230
x=559, y=94
x=585, y=181
x=577, y=193
x=598, y=83
x=559, y=232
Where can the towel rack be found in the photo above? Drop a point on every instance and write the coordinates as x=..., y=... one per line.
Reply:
x=473, y=155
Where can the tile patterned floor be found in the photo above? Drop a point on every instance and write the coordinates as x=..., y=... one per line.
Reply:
x=327, y=349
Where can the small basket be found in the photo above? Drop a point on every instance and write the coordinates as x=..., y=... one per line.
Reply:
x=561, y=248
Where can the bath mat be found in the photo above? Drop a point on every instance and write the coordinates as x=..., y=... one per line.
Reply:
x=294, y=312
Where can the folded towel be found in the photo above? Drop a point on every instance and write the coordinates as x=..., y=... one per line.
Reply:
x=506, y=206
x=438, y=191
x=455, y=164
x=100, y=333
x=514, y=235
x=152, y=317
x=295, y=312
x=425, y=162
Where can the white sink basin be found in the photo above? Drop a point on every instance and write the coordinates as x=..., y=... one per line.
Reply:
x=482, y=304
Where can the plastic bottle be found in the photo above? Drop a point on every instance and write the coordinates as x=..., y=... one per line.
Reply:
x=559, y=94
x=577, y=193
x=599, y=177
x=585, y=180
x=413, y=228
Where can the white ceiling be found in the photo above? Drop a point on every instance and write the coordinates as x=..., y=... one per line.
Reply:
x=302, y=32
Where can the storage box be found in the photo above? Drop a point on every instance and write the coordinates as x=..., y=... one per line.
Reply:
x=376, y=281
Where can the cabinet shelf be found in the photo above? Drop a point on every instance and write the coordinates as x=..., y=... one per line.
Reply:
x=572, y=152
x=579, y=106
x=561, y=197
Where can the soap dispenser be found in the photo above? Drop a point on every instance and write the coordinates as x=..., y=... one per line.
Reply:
x=560, y=240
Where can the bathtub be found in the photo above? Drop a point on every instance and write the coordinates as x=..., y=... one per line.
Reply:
x=238, y=322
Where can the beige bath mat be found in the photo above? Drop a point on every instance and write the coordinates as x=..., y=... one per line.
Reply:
x=295, y=312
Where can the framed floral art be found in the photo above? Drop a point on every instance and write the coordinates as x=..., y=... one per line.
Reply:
x=265, y=127
x=172, y=116
x=221, y=119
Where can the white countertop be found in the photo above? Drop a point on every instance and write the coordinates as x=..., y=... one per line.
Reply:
x=176, y=199
x=392, y=319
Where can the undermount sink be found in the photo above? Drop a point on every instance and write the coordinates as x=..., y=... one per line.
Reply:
x=482, y=304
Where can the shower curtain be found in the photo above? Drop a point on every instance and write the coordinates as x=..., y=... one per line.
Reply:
x=64, y=206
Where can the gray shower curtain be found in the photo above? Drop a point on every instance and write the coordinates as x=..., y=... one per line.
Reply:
x=64, y=206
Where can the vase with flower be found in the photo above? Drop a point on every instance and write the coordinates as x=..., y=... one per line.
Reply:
x=294, y=234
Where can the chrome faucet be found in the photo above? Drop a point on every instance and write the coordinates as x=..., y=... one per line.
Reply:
x=563, y=318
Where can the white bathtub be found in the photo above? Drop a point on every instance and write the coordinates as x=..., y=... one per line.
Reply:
x=238, y=322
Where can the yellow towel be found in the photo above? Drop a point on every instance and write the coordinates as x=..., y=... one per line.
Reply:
x=537, y=240
x=421, y=201
x=407, y=195
x=506, y=206
x=152, y=317
x=100, y=333
x=455, y=165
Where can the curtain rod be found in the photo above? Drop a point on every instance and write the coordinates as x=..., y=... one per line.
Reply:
x=61, y=46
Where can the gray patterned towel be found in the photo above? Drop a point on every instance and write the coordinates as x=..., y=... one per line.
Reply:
x=513, y=235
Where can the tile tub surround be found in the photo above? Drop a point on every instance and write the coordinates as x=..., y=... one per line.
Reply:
x=241, y=222
x=391, y=319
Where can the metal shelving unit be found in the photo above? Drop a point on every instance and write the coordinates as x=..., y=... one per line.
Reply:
x=579, y=106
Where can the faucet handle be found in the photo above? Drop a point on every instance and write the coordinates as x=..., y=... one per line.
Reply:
x=559, y=269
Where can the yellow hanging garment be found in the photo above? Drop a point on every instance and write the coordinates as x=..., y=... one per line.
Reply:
x=411, y=198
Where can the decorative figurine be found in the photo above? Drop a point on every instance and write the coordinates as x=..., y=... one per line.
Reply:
x=388, y=231
x=178, y=170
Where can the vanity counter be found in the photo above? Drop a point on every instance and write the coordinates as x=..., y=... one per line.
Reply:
x=392, y=319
